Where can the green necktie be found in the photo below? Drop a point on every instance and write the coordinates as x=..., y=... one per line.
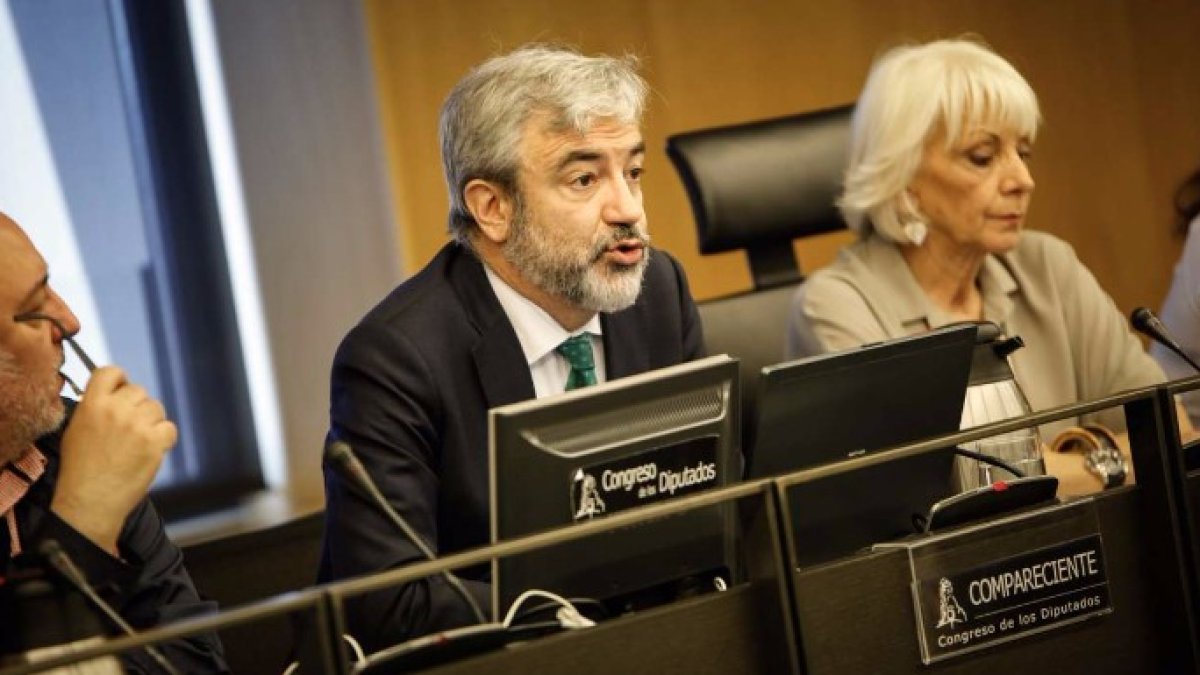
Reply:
x=578, y=352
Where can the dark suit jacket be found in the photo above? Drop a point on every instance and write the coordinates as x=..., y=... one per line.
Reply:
x=148, y=585
x=411, y=387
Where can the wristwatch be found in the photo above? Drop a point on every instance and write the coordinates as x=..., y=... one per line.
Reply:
x=1101, y=455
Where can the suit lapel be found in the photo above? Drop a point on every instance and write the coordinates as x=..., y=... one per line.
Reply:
x=499, y=361
x=621, y=334
x=501, y=366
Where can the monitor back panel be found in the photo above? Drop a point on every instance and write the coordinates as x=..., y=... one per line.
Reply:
x=845, y=513
x=593, y=453
x=827, y=408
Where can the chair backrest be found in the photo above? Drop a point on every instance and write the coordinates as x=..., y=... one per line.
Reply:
x=758, y=186
x=256, y=565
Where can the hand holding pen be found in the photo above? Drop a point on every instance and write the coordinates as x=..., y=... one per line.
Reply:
x=111, y=449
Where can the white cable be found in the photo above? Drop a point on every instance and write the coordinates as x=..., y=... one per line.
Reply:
x=359, y=656
x=567, y=615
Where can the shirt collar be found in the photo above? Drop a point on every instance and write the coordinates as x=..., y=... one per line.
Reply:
x=536, y=330
x=18, y=476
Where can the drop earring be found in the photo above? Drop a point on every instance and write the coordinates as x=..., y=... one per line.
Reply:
x=916, y=230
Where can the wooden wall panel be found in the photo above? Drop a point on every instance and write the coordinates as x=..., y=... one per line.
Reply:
x=1116, y=79
x=1167, y=72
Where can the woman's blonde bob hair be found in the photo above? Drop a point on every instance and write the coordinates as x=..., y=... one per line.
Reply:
x=913, y=93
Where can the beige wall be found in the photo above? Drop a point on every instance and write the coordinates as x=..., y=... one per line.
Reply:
x=302, y=108
x=1117, y=80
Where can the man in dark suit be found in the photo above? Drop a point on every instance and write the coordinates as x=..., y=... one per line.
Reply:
x=550, y=261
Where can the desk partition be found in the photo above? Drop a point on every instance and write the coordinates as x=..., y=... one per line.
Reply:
x=1188, y=508
x=746, y=629
x=860, y=614
x=308, y=608
x=1117, y=574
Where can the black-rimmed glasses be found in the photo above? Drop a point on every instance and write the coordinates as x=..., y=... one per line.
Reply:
x=70, y=340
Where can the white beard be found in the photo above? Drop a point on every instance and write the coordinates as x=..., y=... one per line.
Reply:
x=26, y=412
x=572, y=276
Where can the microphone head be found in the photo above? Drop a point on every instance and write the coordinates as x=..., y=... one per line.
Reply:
x=50, y=549
x=338, y=452
x=1149, y=325
x=341, y=455
x=53, y=553
x=1143, y=319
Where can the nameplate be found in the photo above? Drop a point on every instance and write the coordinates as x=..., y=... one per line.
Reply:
x=1011, y=598
x=649, y=476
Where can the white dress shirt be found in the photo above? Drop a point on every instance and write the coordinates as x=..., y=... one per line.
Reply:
x=539, y=334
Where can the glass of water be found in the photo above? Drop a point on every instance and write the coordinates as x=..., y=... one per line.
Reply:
x=993, y=401
x=1021, y=449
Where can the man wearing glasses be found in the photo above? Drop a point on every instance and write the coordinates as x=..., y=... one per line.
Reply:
x=78, y=474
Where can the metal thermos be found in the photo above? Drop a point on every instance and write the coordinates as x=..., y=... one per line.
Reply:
x=993, y=395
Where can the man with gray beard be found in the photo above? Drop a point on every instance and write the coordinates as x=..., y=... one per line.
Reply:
x=78, y=474
x=549, y=285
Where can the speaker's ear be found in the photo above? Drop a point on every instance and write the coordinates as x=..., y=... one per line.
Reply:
x=491, y=206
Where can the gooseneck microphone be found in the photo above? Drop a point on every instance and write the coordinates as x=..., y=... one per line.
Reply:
x=1148, y=324
x=58, y=558
x=341, y=456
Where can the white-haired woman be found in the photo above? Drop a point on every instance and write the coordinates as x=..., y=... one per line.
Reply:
x=937, y=188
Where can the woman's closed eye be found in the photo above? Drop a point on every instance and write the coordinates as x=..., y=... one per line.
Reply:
x=981, y=158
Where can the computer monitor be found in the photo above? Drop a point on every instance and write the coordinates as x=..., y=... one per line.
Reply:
x=839, y=515
x=833, y=407
x=826, y=408
x=603, y=449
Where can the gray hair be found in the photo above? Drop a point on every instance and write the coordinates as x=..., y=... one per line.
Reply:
x=483, y=117
x=912, y=93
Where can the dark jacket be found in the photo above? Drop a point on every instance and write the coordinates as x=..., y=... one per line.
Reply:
x=148, y=586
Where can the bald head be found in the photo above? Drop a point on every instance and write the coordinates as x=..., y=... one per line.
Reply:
x=23, y=271
x=10, y=231
x=14, y=244
x=7, y=224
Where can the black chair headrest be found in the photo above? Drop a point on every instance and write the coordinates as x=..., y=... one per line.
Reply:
x=762, y=184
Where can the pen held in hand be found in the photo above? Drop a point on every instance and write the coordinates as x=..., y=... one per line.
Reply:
x=71, y=383
x=83, y=357
x=69, y=339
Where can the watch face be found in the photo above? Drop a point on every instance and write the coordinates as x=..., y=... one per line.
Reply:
x=1102, y=456
x=1107, y=463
